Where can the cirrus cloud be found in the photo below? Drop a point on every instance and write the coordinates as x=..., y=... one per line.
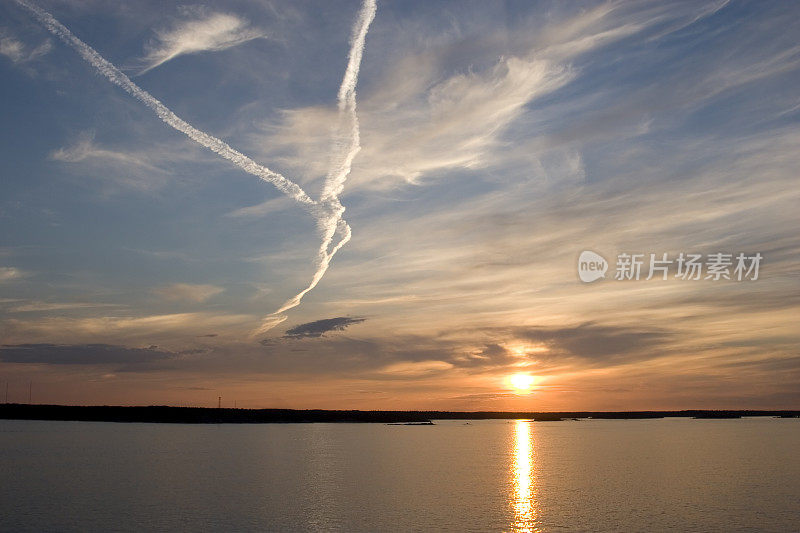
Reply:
x=189, y=292
x=202, y=33
x=17, y=51
x=9, y=273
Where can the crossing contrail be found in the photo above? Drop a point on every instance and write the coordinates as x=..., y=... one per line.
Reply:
x=117, y=77
x=346, y=145
x=328, y=209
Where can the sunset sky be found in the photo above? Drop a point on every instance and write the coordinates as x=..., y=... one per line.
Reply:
x=498, y=140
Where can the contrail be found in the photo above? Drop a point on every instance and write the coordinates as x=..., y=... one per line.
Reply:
x=343, y=153
x=328, y=210
x=117, y=77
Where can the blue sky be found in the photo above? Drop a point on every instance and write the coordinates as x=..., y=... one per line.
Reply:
x=497, y=141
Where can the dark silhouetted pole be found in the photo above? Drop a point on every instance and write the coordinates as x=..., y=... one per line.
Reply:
x=6, y=391
x=219, y=402
x=30, y=391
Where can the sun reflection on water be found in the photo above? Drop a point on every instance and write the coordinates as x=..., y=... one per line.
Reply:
x=523, y=499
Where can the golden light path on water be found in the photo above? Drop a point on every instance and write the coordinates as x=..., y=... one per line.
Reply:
x=523, y=501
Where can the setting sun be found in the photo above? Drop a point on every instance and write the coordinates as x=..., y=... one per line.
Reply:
x=522, y=382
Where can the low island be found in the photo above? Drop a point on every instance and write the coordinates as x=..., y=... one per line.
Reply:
x=204, y=415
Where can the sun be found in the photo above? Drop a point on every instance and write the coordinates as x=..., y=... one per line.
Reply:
x=522, y=382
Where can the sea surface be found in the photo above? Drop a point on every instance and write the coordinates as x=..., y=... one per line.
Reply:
x=590, y=475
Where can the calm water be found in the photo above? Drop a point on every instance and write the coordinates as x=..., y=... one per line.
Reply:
x=651, y=475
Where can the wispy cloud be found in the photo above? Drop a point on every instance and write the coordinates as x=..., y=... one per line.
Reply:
x=188, y=292
x=434, y=125
x=415, y=369
x=200, y=32
x=261, y=210
x=85, y=148
x=9, y=273
x=429, y=116
x=17, y=51
x=36, y=307
x=127, y=168
x=418, y=123
x=117, y=329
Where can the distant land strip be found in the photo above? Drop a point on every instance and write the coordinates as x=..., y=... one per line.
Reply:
x=205, y=415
